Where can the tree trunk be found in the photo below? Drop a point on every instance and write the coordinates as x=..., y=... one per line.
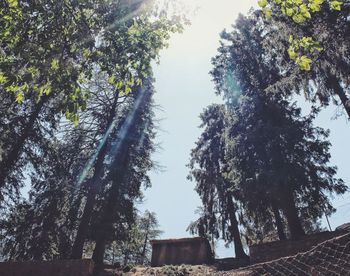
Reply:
x=98, y=254
x=9, y=161
x=94, y=189
x=291, y=213
x=279, y=223
x=339, y=91
x=108, y=211
x=239, y=252
x=143, y=254
x=119, y=165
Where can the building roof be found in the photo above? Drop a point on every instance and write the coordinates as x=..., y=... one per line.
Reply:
x=195, y=239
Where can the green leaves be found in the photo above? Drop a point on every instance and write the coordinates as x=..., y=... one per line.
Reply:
x=267, y=12
x=54, y=64
x=298, y=18
x=315, y=5
x=298, y=10
x=127, y=90
x=262, y=3
x=50, y=48
x=15, y=10
x=12, y=3
x=73, y=117
x=336, y=5
x=33, y=71
x=3, y=78
x=19, y=97
x=304, y=11
x=292, y=54
x=304, y=63
x=299, y=48
x=45, y=89
x=112, y=79
x=304, y=50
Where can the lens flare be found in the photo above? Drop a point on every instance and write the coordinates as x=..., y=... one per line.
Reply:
x=119, y=140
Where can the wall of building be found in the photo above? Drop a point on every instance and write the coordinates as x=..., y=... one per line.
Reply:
x=52, y=268
x=274, y=250
x=193, y=251
x=331, y=257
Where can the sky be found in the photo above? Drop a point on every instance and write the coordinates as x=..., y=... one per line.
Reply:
x=184, y=89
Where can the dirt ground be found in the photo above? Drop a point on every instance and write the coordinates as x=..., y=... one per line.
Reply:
x=182, y=270
x=169, y=270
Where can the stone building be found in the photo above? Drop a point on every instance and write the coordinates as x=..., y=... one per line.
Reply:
x=193, y=251
x=266, y=252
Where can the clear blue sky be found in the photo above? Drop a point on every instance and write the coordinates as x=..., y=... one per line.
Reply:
x=184, y=88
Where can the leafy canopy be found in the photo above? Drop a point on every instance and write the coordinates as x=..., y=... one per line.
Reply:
x=300, y=11
x=50, y=48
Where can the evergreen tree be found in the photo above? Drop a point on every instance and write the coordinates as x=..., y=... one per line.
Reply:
x=276, y=156
x=95, y=67
x=149, y=228
x=208, y=166
x=135, y=247
x=56, y=199
x=319, y=45
x=43, y=70
x=128, y=165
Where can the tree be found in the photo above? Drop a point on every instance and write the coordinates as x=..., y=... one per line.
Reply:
x=135, y=248
x=208, y=166
x=43, y=69
x=276, y=156
x=16, y=159
x=62, y=53
x=299, y=11
x=318, y=41
x=128, y=164
x=149, y=228
x=54, y=198
x=110, y=46
x=50, y=222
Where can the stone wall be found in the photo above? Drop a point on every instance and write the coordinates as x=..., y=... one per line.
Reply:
x=331, y=257
x=193, y=251
x=51, y=268
x=274, y=250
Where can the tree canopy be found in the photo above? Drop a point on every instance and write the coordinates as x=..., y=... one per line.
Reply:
x=259, y=148
x=76, y=122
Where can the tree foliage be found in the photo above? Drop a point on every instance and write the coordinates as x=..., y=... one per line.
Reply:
x=64, y=61
x=298, y=10
x=50, y=48
x=275, y=160
x=207, y=168
x=135, y=248
x=318, y=44
x=50, y=53
x=45, y=225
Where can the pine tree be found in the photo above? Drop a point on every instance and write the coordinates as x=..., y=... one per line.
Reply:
x=134, y=248
x=44, y=71
x=276, y=156
x=94, y=58
x=313, y=55
x=208, y=165
x=57, y=196
x=129, y=163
